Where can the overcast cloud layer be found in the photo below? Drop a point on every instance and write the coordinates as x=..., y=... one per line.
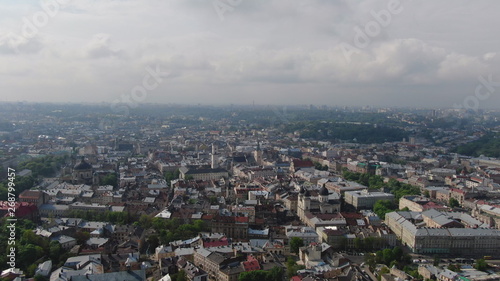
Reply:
x=428, y=53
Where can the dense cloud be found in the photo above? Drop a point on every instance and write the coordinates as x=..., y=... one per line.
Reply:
x=274, y=51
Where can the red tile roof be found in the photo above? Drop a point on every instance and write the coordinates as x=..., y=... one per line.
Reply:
x=251, y=264
x=221, y=242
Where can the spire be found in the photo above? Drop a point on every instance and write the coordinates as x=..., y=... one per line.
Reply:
x=215, y=159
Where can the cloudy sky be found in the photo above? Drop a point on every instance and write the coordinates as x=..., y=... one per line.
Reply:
x=333, y=52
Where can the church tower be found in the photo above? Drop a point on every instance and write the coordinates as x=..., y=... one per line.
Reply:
x=258, y=154
x=215, y=158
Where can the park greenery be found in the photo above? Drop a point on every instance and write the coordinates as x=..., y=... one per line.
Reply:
x=295, y=244
x=345, y=131
x=320, y=167
x=390, y=257
x=46, y=166
x=383, y=207
x=167, y=231
x=20, y=184
x=110, y=179
x=488, y=145
x=31, y=249
x=481, y=264
x=179, y=276
x=121, y=218
x=373, y=182
x=171, y=175
x=292, y=267
x=453, y=203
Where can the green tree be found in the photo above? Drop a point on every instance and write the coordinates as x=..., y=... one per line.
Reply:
x=397, y=253
x=180, y=276
x=453, y=203
x=358, y=243
x=436, y=261
x=55, y=251
x=292, y=267
x=145, y=221
x=276, y=274
x=39, y=277
x=256, y=275
x=81, y=237
x=383, y=270
x=110, y=179
x=383, y=207
x=295, y=244
x=153, y=241
x=454, y=267
x=213, y=200
x=388, y=256
x=481, y=264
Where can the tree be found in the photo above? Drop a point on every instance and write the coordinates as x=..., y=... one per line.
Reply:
x=481, y=265
x=153, y=241
x=39, y=277
x=180, y=276
x=454, y=267
x=292, y=267
x=370, y=261
x=256, y=275
x=388, y=256
x=276, y=274
x=213, y=200
x=358, y=243
x=81, y=237
x=55, y=251
x=436, y=261
x=110, y=179
x=295, y=244
x=453, y=203
x=397, y=253
x=145, y=221
x=383, y=270
x=383, y=207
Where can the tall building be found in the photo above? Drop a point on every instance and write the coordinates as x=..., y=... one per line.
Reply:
x=418, y=231
x=257, y=154
x=365, y=199
x=215, y=158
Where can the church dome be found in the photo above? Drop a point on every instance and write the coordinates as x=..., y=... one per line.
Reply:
x=323, y=191
x=82, y=165
x=307, y=194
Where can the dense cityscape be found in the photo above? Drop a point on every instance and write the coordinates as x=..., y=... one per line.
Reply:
x=248, y=192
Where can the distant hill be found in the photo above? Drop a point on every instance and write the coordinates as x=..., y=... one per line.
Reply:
x=488, y=145
x=346, y=131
